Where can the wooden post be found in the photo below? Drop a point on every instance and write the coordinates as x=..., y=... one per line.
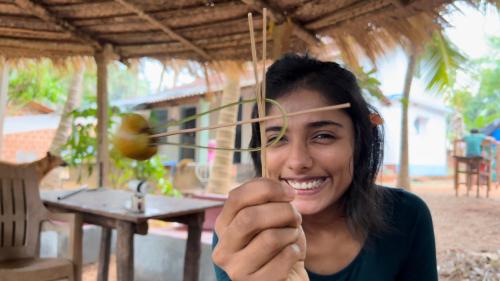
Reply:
x=125, y=251
x=4, y=86
x=102, y=58
x=104, y=253
x=193, y=248
x=456, y=177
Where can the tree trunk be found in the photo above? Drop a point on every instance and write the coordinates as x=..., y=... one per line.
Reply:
x=4, y=86
x=72, y=102
x=221, y=178
x=403, y=175
x=160, y=83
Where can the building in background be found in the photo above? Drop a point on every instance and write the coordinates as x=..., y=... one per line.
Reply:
x=427, y=127
x=28, y=132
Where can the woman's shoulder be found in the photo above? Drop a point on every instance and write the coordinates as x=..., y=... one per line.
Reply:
x=403, y=205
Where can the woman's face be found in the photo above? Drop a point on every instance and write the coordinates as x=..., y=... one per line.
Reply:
x=316, y=153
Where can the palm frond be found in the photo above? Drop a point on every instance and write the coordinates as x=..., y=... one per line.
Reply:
x=441, y=60
x=371, y=85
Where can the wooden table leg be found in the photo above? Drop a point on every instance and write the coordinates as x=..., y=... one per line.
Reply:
x=77, y=254
x=125, y=251
x=103, y=265
x=456, y=177
x=478, y=180
x=468, y=177
x=193, y=248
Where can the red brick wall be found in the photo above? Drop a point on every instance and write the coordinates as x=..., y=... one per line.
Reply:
x=37, y=142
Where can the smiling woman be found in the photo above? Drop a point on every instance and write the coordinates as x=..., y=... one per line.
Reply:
x=319, y=215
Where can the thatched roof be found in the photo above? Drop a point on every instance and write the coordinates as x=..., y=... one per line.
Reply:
x=208, y=30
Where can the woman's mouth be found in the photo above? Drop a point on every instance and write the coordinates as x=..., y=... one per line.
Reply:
x=306, y=186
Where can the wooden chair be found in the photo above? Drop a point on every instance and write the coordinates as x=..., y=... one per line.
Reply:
x=21, y=215
x=477, y=169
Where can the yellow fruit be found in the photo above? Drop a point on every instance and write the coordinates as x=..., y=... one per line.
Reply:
x=132, y=138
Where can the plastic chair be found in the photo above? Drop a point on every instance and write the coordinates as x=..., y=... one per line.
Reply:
x=21, y=215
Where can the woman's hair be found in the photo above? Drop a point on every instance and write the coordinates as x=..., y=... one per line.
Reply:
x=362, y=201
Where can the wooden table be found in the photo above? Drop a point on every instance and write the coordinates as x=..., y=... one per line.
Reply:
x=106, y=207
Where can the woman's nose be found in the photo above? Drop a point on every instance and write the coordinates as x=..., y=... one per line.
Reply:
x=299, y=158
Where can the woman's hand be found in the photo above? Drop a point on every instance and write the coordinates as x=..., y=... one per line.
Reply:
x=260, y=234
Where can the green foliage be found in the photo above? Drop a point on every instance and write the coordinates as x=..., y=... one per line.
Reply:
x=37, y=81
x=370, y=85
x=125, y=83
x=480, y=107
x=81, y=147
x=122, y=83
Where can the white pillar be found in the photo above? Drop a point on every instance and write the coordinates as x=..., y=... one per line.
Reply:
x=4, y=86
x=203, y=136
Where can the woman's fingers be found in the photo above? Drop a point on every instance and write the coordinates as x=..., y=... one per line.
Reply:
x=280, y=267
x=252, y=220
x=266, y=245
x=276, y=251
x=255, y=192
x=257, y=228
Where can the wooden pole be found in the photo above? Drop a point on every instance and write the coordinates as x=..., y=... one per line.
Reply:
x=4, y=86
x=102, y=59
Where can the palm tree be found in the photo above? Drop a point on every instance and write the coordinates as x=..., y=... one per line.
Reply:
x=72, y=102
x=220, y=176
x=440, y=61
x=403, y=179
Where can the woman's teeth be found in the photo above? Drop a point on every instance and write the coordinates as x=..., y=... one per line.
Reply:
x=305, y=184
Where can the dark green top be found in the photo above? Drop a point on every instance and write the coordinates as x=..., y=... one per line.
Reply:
x=407, y=252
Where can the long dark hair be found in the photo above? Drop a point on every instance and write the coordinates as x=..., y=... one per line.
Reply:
x=363, y=200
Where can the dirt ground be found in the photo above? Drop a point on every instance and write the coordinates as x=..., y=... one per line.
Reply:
x=467, y=232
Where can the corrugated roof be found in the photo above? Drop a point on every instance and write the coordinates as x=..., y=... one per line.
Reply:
x=197, y=88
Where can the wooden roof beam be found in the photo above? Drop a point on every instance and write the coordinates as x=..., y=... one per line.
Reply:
x=398, y=3
x=164, y=28
x=42, y=13
x=348, y=12
x=300, y=31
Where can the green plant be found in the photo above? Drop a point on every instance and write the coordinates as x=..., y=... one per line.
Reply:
x=80, y=151
x=37, y=81
x=478, y=103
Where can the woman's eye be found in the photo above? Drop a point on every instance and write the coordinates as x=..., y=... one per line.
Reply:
x=275, y=140
x=324, y=137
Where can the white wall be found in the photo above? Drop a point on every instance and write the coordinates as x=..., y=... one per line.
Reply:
x=427, y=135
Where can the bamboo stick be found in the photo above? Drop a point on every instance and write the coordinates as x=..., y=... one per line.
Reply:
x=253, y=120
x=260, y=102
x=263, y=139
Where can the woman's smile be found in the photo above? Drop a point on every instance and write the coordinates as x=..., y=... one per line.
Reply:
x=307, y=185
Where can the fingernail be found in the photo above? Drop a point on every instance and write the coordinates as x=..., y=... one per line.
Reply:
x=296, y=248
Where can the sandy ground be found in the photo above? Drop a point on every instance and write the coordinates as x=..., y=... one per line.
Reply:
x=464, y=224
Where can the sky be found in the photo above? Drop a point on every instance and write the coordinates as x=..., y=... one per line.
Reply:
x=469, y=29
